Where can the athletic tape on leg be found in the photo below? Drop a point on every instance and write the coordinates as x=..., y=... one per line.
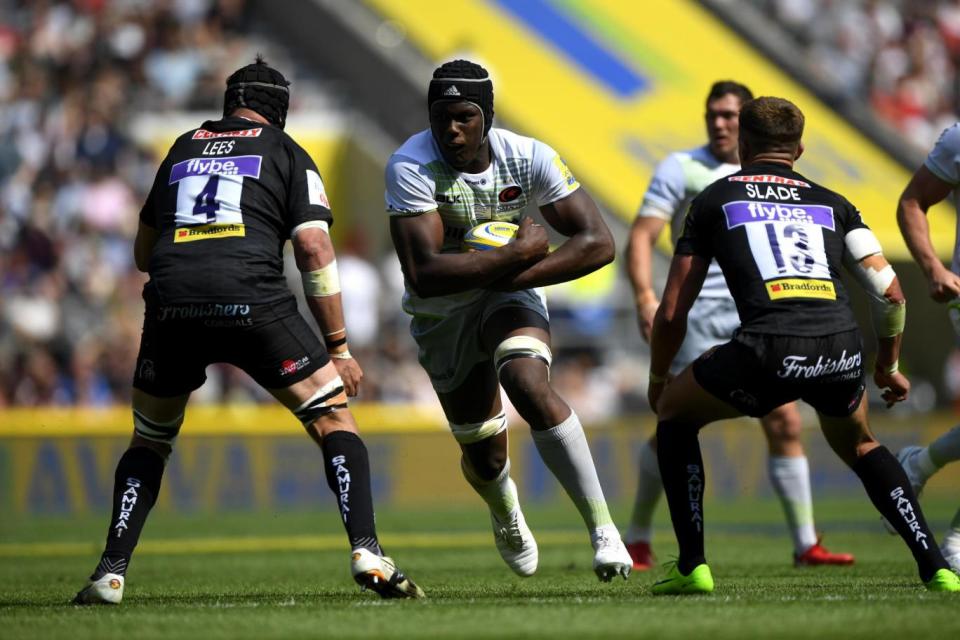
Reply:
x=156, y=431
x=521, y=347
x=477, y=431
x=319, y=403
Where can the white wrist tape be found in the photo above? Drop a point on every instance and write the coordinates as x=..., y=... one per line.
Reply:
x=323, y=282
x=889, y=318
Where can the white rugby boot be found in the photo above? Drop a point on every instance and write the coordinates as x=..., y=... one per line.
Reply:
x=610, y=558
x=515, y=543
x=951, y=549
x=381, y=575
x=108, y=589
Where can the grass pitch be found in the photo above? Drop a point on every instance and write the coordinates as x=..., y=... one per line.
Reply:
x=287, y=575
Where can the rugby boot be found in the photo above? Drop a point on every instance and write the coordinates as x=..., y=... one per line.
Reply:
x=515, y=543
x=818, y=555
x=951, y=549
x=381, y=575
x=944, y=580
x=698, y=581
x=641, y=554
x=610, y=558
x=108, y=589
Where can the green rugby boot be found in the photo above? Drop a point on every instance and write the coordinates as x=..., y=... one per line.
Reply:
x=676, y=584
x=943, y=580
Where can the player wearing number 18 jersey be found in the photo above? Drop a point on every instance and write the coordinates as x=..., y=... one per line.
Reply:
x=225, y=200
x=780, y=241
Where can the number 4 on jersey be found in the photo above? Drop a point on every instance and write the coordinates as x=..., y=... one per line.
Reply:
x=206, y=202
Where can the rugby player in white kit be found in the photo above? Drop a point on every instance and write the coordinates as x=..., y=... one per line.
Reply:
x=478, y=318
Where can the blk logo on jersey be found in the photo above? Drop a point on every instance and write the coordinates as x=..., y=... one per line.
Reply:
x=510, y=194
x=800, y=288
x=203, y=134
x=743, y=212
x=235, y=166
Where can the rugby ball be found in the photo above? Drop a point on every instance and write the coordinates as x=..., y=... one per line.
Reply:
x=489, y=235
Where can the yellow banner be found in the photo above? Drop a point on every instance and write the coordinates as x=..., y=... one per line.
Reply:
x=615, y=86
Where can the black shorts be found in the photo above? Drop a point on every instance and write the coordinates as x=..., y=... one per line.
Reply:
x=756, y=373
x=271, y=342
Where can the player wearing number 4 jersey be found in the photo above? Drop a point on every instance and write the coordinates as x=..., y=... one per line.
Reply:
x=224, y=202
x=713, y=320
x=477, y=317
x=781, y=256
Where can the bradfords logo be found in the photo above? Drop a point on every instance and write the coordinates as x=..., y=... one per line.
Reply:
x=790, y=182
x=237, y=166
x=741, y=212
x=909, y=516
x=203, y=134
x=800, y=288
x=794, y=367
x=292, y=366
x=127, y=502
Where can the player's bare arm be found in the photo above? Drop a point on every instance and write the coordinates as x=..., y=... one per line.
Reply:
x=418, y=241
x=588, y=247
x=922, y=192
x=670, y=323
x=888, y=308
x=639, y=254
x=143, y=246
x=316, y=260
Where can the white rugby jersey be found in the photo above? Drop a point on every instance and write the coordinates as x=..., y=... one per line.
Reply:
x=418, y=180
x=944, y=162
x=676, y=181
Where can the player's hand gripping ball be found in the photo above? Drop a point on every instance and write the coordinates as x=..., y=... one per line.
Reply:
x=489, y=235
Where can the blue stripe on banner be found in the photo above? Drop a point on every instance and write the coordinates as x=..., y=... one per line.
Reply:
x=550, y=24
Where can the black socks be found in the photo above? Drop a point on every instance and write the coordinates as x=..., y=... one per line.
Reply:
x=890, y=491
x=681, y=469
x=348, y=474
x=135, y=489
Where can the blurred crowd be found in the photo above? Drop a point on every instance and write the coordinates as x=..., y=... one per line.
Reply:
x=900, y=56
x=72, y=74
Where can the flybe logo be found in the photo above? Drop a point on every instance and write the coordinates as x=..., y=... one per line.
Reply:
x=233, y=166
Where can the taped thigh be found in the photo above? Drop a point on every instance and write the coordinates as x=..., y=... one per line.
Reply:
x=321, y=403
x=521, y=347
x=155, y=430
x=476, y=431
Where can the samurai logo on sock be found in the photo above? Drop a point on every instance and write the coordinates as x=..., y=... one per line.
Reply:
x=910, y=517
x=343, y=484
x=695, y=494
x=127, y=502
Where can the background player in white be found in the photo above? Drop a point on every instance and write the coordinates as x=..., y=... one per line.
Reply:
x=713, y=319
x=478, y=317
x=933, y=181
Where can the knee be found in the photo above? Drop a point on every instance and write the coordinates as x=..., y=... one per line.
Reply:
x=783, y=424
x=528, y=387
x=487, y=466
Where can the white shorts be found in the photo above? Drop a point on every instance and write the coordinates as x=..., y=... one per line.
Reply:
x=450, y=347
x=711, y=322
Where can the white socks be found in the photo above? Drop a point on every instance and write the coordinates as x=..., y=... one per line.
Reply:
x=944, y=449
x=790, y=477
x=565, y=451
x=649, y=490
x=500, y=494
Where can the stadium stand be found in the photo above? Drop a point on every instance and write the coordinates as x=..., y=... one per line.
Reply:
x=900, y=57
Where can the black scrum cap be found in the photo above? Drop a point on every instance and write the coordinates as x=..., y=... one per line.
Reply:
x=466, y=81
x=261, y=88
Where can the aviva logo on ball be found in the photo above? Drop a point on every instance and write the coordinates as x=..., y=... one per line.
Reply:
x=489, y=235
